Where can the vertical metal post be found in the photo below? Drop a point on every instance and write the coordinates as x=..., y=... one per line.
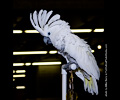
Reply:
x=64, y=83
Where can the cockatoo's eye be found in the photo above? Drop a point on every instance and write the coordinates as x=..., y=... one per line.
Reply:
x=48, y=33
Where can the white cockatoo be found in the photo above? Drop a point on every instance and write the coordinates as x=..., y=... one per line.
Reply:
x=75, y=50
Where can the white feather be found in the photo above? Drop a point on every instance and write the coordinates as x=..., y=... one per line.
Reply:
x=35, y=18
x=58, y=22
x=54, y=18
x=95, y=85
x=40, y=18
x=43, y=17
x=36, y=27
x=80, y=75
x=85, y=87
x=48, y=15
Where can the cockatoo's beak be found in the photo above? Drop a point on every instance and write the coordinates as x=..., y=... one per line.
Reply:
x=47, y=40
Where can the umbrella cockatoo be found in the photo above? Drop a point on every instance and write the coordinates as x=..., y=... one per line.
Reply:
x=75, y=50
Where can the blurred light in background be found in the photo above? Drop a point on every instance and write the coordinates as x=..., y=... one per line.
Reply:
x=37, y=63
x=27, y=64
x=29, y=52
x=18, y=64
x=53, y=52
x=20, y=87
x=46, y=63
x=34, y=52
x=81, y=30
x=99, y=30
x=20, y=71
x=20, y=75
x=13, y=71
x=92, y=51
x=31, y=31
x=99, y=46
x=17, y=31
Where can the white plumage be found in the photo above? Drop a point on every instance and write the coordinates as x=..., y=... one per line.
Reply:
x=77, y=50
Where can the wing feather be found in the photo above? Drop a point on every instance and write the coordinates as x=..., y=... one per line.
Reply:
x=80, y=75
x=77, y=48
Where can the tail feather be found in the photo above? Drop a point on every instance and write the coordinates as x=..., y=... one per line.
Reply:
x=91, y=85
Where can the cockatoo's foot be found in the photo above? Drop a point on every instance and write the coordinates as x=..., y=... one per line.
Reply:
x=70, y=66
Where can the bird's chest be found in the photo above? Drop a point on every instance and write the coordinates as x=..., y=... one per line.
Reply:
x=59, y=41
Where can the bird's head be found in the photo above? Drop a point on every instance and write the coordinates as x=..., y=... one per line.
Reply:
x=45, y=25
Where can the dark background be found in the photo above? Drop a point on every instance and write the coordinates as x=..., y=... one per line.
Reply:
x=44, y=82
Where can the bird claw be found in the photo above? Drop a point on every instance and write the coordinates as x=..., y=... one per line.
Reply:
x=67, y=66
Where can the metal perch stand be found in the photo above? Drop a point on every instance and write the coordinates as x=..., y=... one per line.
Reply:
x=64, y=83
x=71, y=95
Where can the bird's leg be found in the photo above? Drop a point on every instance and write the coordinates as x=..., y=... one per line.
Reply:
x=70, y=66
x=66, y=66
x=71, y=62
